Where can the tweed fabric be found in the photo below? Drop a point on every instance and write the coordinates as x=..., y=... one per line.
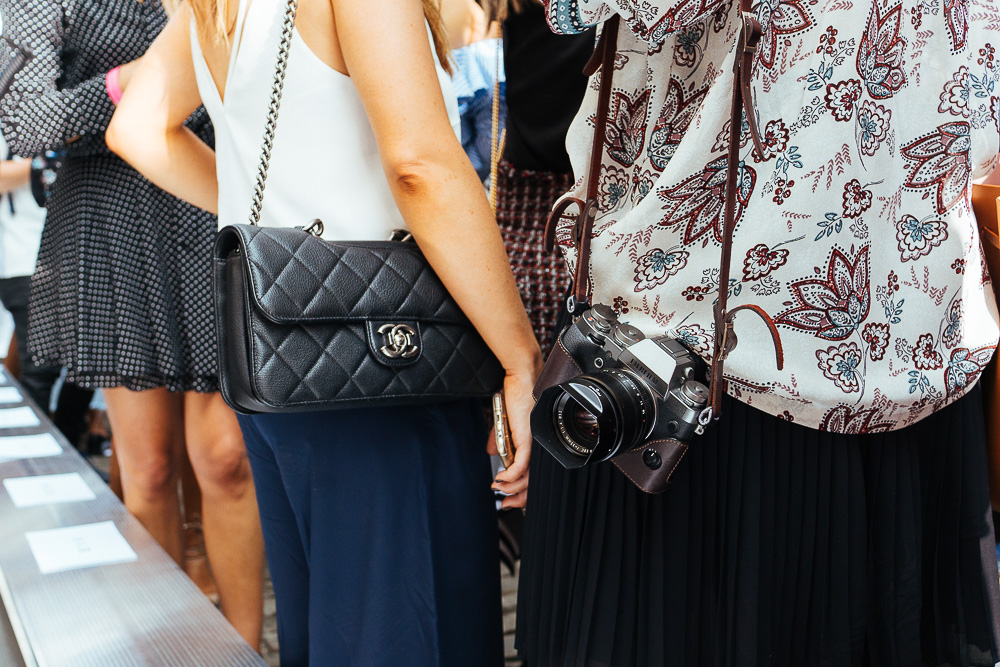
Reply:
x=524, y=199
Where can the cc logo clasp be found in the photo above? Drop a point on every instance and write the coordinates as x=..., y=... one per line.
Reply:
x=400, y=341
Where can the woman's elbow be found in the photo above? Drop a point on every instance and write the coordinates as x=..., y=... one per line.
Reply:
x=417, y=171
x=126, y=133
x=116, y=136
x=412, y=176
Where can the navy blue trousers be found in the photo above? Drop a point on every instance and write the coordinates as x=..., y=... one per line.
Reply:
x=381, y=535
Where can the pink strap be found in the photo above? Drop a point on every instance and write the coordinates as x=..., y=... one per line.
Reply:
x=113, y=85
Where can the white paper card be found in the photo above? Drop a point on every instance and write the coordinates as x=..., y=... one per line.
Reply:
x=71, y=548
x=47, y=489
x=29, y=446
x=18, y=417
x=10, y=395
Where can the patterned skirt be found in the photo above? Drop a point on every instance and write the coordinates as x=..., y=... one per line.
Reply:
x=524, y=200
x=122, y=293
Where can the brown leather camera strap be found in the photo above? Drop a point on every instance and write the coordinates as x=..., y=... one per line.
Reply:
x=742, y=107
x=603, y=59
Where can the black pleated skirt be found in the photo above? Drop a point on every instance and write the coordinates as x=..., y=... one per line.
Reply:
x=775, y=545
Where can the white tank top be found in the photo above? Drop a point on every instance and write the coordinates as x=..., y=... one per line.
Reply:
x=325, y=162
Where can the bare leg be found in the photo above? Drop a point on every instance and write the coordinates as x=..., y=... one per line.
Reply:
x=233, y=536
x=115, y=474
x=12, y=362
x=148, y=440
x=195, y=559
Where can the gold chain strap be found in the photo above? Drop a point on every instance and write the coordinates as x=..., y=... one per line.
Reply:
x=497, y=138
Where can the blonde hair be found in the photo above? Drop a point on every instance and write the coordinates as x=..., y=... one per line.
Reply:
x=212, y=19
x=214, y=24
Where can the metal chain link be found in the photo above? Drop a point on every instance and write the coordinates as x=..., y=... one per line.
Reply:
x=498, y=139
x=272, y=110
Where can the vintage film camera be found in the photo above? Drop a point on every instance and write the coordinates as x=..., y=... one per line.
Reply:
x=633, y=390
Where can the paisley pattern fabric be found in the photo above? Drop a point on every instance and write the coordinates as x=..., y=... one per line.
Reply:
x=855, y=230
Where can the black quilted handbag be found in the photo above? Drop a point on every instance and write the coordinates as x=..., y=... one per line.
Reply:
x=308, y=324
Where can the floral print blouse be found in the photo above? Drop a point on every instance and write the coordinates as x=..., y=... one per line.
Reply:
x=855, y=230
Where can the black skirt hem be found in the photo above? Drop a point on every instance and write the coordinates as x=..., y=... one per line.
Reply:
x=199, y=384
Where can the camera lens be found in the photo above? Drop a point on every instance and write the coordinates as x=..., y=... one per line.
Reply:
x=577, y=425
x=593, y=417
x=635, y=408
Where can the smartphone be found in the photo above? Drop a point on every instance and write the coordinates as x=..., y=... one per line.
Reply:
x=505, y=444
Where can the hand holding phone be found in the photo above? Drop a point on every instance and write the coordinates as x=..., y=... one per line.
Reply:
x=501, y=429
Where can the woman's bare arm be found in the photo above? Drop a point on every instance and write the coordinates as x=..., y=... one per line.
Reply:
x=465, y=22
x=148, y=130
x=14, y=175
x=439, y=194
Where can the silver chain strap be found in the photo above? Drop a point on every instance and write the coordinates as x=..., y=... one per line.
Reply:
x=272, y=110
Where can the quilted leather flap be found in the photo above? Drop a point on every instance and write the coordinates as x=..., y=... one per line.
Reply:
x=297, y=277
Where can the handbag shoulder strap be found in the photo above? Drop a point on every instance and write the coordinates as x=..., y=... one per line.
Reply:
x=272, y=109
x=742, y=106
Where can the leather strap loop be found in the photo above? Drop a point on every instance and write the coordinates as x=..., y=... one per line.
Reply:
x=583, y=232
x=772, y=329
x=553, y=222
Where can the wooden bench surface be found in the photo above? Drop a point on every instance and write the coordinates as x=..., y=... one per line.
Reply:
x=145, y=612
